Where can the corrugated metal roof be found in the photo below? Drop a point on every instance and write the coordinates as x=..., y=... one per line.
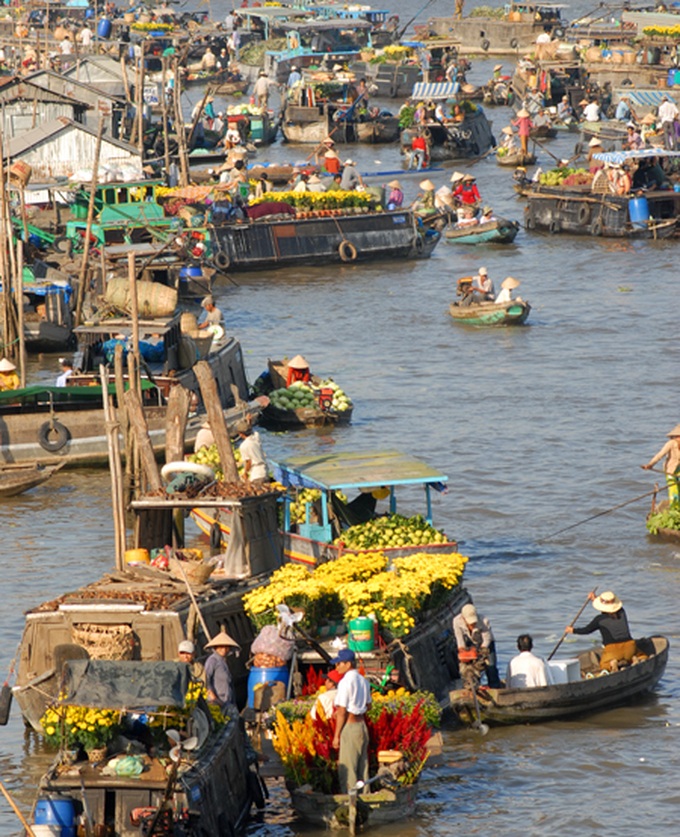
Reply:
x=55, y=81
x=21, y=144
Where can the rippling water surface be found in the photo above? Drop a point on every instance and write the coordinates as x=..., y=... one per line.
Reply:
x=538, y=428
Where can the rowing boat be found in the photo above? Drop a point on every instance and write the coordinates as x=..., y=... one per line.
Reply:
x=515, y=158
x=500, y=231
x=592, y=690
x=514, y=312
x=15, y=479
x=332, y=810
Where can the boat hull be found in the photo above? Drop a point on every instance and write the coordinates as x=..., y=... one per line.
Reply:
x=519, y=706
x=331, y=810
x=518, y=159
x=378, y=130
x=15, y=481
x=495, y=232
x=491, y=313
x=273, y=418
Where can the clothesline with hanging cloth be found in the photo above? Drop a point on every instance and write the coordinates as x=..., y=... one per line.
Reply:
x=435, y=90
x=617, y=158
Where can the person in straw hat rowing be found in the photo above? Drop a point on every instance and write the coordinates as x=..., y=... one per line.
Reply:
x=218, y=678
x=612, y=623
x=395, y=197
x=524, y=125
x=671, y=467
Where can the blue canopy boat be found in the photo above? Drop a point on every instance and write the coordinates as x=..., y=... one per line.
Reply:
x=500, y=231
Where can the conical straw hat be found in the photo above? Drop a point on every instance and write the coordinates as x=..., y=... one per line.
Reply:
x=510, y=283
x=222, y=639
x=298, y=362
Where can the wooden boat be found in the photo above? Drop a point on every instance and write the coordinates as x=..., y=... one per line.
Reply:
x=662, y=533
x=231, y=88
x=380, y=129
x=332, y=810
x=215, y=771
x=15, y=479
x=264, y=243
x=514, y=312
x=543, y=132
x=515, y=158
x=591, y=692
x=500, y=231
x=466, y=140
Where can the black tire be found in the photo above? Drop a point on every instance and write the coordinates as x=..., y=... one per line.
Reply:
x=558, y=32
x=347, y=251
x=63, y=245
x=554, y=226
x=514, y=43
x=53, y=436
x=419, y=245
x=530, y=221
x=597, y=227
x=583, y=214
x=222, y=260
x=485, y=44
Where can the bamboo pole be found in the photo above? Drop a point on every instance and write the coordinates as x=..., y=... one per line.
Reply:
x=140, y=431
x=135, y=380
x=113, y=440
x=88, y=226
x=15, y=808
x=140, y=105
x=181, y=134
x=4, y=262
x=218, y=425
x=19, y=296
x=164, y=113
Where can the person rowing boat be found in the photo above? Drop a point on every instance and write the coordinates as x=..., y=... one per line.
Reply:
x=612, y=623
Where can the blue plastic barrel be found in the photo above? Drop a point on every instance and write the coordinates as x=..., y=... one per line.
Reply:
x=104, y=28
x=671, y=77
x=55, y=811
x=265, y=675
x=638, y=211
x=89, y=13
x=190, y=272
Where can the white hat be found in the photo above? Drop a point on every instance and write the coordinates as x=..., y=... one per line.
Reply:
x=6, y=365
x=349, y=162
x=507, y=130
x=594, y=142
x=469, y=613
x=186, y=646
x=483, y=271
x=298, y=362
x=607, y=602
x=222, y=640
x=427, y=185
x=456, y=176
x=510, y=283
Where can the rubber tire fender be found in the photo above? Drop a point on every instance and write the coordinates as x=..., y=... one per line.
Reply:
x=530, y=221
x=347, y=251
x=182, y=467
x=419, y=244
x=485, y=44
x=583, y=216
x=46, y=436
x=596, y=227
x=554, y=226
x=63, y=244
x=514, y=43
x=221, y=260
x=558, y=32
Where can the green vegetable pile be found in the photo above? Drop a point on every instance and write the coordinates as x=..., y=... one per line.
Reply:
x=488, y=11
x=667, y=519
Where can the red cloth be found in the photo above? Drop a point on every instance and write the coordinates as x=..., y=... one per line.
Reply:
x=419, y=144
x=297, y=375
x=332, y=165
x=270, y=208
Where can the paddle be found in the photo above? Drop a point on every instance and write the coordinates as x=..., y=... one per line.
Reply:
x=481, y=728
x=572, y=623
x=22, y=818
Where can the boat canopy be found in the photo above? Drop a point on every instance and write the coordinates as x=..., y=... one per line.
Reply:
x=644, y=98
x=372, y=469
x=124, y=684
x=435, y=90
x=39, y=393
x=617, y=158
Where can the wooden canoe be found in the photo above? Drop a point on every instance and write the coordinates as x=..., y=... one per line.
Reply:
x=543, y=132
x=515, y=159
x=382, y=129
x=514, y=312
x=663, y=533
x=500, y=231
x=374, y=809
x=15, y=479
x=595, y=691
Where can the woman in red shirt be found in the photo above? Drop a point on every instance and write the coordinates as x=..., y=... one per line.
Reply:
x=298, y=370
x=467, y=192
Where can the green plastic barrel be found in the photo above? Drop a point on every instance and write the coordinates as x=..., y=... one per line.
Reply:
x=360, y=634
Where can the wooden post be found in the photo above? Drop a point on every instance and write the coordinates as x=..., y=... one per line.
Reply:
x=164, y=113
x=135, y=381
x=88, y=227
x=123, y=422
x=140, y=431
x=176, y=423
x=218, y=425
x=140, y=105
x=117, y=504
x=19, y=297
x=181, y=134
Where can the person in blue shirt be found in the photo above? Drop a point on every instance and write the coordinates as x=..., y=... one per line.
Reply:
x=623, y=110
x=294, y=77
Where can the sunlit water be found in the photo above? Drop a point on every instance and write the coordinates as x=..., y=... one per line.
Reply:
x=538, y=428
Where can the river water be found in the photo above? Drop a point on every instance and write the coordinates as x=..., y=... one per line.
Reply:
x=538, y=428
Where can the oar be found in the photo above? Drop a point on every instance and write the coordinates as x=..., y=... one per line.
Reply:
x=572, y=623
x=481, y=728
x=547, y=151
x=13, y=805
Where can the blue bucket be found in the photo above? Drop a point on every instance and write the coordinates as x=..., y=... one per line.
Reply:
x=55, y=811
x=638, y=211
x=265, y=675
x=104, y=28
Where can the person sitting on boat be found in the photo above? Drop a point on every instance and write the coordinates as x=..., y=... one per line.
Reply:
x=255, y=470
x=482, y=287
x=535, y=102
x=314, y=184
x=594, y=147
x=487, y=215
x=440, y=114
x=352, y=700
x=542, y=119
x=671, y=467
x=443, y=200
x=330, y=160
x=263, y=186
x=612, y=623
x=467, y=192
x=350, y=176
x=633, y=140
x=186, y=653
x=591, y=111
x=424, y=203
x=231, y=178
x=466, y=217
x=524, y=125
x=565, y=112
x=326, y=699
x=474, y=638
x=232, y=139
x=204, y=438
x=336, y=184
x=218, y=678
x=526, y=670
x=623, y=112
x=298, y=370
x=508, y=142
x=208, y=61
x=211, y=316
x=620, y=179
x=303, y=180
x=66, y=372
x=508, y=285
x=222, y=60
x=457, y=113
x=395, y=197
x=218, y=123
x=8, y=375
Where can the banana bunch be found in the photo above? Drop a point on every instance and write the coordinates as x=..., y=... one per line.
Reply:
x=209, y=456
x=393, y=531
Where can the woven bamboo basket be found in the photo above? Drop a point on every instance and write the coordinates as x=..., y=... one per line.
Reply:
x=105, y=642
x=196, y=572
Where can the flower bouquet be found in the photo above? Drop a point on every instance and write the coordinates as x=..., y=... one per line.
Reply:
x=70, y=727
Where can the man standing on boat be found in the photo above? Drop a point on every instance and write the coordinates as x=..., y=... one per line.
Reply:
x=668, y=111
x=671, y=467
x=476, y=644
x=526, y=670
x=252, y=454
x=351, y=733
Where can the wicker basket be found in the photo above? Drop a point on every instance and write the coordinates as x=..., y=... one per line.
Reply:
x=105, y=642
x=195, y=572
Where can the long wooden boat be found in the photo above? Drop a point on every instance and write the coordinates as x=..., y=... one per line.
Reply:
x=500, y=231
x=332, y=810
x=515, y=159
x=215, y=771
x=592, y=692
x=264, y=243
x=231, y=88
x=466, y=140
x=514, y=312
x=15, y=479
x=543, y=132
x=380, y=129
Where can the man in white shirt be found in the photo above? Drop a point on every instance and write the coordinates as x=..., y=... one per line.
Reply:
x=66, y=371
x=668, y=111
x=252, y=454
x=591, y=112
x=526, y=670
x=351, y=733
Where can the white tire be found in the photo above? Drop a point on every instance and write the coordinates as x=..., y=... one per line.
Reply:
x=181, y=467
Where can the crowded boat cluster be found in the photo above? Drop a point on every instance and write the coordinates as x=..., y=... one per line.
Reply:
x=336, y=627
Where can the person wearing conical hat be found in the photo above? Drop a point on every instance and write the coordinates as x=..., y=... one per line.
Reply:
x=466, y=192
x=497, y=71
x=671, y=467
x=8, y=375
x=508, y=285
x=508, y=140
x=298, y=370
x=524, y=125
x=395, y=197
x=425, y=201
x=218, y=678
x=612, y=623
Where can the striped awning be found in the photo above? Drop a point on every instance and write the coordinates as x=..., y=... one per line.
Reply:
x=644, y=98
x=617, y=158
x=435, y=90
